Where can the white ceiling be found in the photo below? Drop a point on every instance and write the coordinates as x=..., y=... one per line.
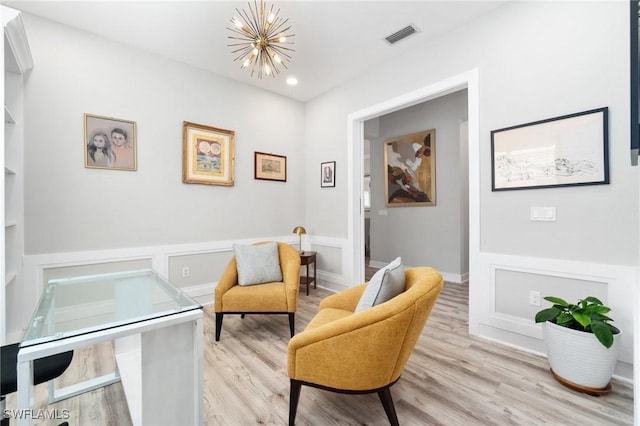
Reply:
x=334, y=40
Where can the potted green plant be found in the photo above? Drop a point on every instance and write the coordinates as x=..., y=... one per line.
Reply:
x=581, y=343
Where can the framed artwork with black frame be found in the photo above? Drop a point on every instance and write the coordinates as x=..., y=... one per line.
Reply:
x=634, y=84
x=270, y=167
x=562, y=151
x=328, y=174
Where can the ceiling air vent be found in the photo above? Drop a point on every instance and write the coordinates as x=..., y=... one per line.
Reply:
x=401, y=34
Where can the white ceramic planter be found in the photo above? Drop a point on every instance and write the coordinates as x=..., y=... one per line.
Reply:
x=579, y=357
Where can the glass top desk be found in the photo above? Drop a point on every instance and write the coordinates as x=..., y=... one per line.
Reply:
x=157, y=329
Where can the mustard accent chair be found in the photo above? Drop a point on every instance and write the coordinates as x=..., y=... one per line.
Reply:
x=363, y=352
x=267, y=298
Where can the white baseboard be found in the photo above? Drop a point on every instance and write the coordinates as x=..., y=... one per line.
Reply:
x=451, y=277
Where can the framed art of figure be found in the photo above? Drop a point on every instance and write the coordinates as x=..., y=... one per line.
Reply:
x=409, y=164
x=562, y=151
x=328, y=174
x=109, y=143
x=270, y=167
x=207, y=155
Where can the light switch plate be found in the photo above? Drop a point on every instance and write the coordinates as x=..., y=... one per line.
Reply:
x=543, y=214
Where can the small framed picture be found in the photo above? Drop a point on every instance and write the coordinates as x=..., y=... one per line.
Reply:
x=109, y=143
x=328, y=174
x=270, y=167
x=207, y=155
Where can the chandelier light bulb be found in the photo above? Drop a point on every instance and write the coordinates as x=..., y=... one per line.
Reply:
x=257, y=38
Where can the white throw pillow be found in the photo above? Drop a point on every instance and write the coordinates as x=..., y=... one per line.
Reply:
x=385, y=284
x=257, y=264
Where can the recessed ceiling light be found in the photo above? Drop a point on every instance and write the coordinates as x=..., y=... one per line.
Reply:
x=292, y=81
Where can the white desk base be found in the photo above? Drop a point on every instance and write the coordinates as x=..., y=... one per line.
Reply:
x=163, y=378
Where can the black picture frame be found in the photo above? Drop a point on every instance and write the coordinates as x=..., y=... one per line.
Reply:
x=267, y=166
x=634, y=61
x=328, y=174
x=562, y=151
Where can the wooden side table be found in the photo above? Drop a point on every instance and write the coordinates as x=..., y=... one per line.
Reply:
x=307, y=258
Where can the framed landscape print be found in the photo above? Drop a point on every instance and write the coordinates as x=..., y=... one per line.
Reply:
x=410, y=168
x=328, y=174
x=109, y=143
x=270, y=167
x=207, y=155
x=562, y=151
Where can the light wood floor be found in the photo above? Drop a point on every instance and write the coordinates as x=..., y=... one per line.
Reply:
x=451, y=379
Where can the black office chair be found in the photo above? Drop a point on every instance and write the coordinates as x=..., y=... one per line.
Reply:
x=44, y=369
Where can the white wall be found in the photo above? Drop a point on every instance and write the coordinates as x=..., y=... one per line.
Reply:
x=79, y=216
x=71, y=208
x=535, y=60
x=423, y=235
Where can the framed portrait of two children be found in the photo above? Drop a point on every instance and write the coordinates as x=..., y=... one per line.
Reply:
x=109, y=143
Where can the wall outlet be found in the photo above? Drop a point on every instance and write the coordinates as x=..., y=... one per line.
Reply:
x=534, y=298
x=185, y=272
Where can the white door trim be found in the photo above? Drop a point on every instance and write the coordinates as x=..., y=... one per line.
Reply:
x=354, y=268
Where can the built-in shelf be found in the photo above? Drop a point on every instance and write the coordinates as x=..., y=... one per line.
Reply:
x=11, y=276
x=17, y=61
x=8, y=118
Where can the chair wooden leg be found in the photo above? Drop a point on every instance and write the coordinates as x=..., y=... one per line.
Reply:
x=219, y=316
x=294, y=397
x=292, y=323
x=387, y=403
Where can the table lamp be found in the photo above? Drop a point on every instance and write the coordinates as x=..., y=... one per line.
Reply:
x=300, y=230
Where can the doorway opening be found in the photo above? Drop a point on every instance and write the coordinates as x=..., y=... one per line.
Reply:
x=421, y=215
x=356, y=223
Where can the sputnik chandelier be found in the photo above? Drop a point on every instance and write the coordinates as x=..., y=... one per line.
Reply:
x=261, y=38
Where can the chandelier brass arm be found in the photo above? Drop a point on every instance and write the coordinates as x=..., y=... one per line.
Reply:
x=261, y=39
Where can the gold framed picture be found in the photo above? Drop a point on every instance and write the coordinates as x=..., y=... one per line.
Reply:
x=410, y=167
x=207, y=155
x=270, y=167
x=109, y=143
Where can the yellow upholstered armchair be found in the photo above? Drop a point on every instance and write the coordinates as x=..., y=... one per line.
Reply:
x=274, y=296
x=365, y=351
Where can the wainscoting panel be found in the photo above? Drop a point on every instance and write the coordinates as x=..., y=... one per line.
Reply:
x=513, y=287
x=203, y=267
x=206, y=262
x=94, y=268
x=500, y=309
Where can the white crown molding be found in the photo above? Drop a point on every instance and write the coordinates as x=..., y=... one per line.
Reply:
x=17, y=54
